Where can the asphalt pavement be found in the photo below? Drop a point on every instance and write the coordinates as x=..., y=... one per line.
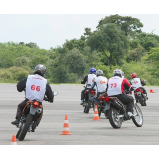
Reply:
x=84, y=130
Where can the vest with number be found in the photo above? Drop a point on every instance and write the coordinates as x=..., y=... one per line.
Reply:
x=101, y=84
x=114, y=86
x=90, y=80
x=136, y=83
x=35, y=87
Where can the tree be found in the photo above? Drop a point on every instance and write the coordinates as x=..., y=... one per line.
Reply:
x=111, y=42
x=32, y=45
x=153, y=62
x=129, y=25
x=76, y=62
x=75, y=43
x=148, y=41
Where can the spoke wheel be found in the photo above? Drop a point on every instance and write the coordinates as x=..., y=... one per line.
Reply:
x=114, y=119
x=138, y=116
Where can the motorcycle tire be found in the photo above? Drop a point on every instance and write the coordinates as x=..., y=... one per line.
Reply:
x=17, y=135
x=112, y=116
x=141, y=101
x=138, y=118
x=99, y=111
x=24, y=129
x=106, y=114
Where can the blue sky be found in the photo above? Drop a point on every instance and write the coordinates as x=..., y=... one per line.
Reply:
x=51, y=27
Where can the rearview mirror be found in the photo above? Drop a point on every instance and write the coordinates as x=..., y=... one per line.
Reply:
x=55, y=93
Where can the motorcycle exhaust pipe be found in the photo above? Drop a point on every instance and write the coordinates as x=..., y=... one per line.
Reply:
x=117, y=105
x=39, y=110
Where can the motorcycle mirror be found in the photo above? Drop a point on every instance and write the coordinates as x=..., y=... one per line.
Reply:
x=55, y=93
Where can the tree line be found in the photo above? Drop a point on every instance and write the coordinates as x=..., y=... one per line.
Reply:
x=117, y=42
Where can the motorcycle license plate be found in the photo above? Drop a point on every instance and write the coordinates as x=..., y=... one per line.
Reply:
x=138, y=93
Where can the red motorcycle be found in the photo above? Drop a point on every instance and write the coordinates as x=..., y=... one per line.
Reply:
x=116, y=111
x=140, y=96
x=30, y=114
x=88, y=95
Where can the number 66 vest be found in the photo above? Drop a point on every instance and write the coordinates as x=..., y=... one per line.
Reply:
x=35, y=87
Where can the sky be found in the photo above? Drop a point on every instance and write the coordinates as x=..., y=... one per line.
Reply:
x=51, y=29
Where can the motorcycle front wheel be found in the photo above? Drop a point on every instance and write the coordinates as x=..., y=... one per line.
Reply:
x=138, y=116
x=25, y=127
x=114, y=119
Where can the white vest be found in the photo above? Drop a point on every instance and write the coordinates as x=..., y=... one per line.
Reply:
x=114, y=86
x=90, y=80
x=35, y=87
x=101, y=84
x=136, y=83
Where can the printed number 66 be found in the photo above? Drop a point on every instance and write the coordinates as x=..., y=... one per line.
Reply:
x=33, y=87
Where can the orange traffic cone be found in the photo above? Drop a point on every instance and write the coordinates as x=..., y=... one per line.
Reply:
x=13, y=140
x=151, y=91
x=66, y=127
x=96, y=116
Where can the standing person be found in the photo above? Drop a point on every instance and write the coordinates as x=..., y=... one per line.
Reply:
x=100, y=83
x=88, y=81
x=137, y=83
x=36, y=87
x=116, y=87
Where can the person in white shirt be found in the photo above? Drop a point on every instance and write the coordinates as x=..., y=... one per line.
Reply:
x=88, y=81
x=99, y=84
x=36, y=87
x=137, y=83
x=116, y=87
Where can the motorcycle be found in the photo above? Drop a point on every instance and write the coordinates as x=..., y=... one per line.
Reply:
x=116, y=112
x=140, y=96
x=30, y=114
x=101, y=103
x=88, y=94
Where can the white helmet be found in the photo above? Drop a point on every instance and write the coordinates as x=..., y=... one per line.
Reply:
x=117, y=72
x=99, y=73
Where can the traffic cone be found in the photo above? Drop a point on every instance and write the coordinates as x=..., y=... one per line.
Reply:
x=66, y=127
x=151, y=91
x=96, y=116
x=13, y=140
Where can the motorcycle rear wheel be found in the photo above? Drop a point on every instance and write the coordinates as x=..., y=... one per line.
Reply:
x=138, y=118
x=24, y=129
x=114, y=120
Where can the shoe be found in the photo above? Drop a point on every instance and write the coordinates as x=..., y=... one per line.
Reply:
x=16, y=121
x=82, y=101
x=130, y=114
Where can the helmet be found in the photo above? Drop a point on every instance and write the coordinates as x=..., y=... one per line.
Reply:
x=99, y=73
x=40, y=69
x=117, y=72
x=133, y=75
x=93, y=70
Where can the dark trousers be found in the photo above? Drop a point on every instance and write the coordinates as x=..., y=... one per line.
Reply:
x=128, y=100
x=82, y=93
x=20, y=109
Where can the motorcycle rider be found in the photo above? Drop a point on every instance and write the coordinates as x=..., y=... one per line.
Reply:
x=100, y=83
x=36, y=87
x=116, y=87
x=137, y=83
x=88, y=81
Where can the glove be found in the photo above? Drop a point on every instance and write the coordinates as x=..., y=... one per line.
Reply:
x=131, y=88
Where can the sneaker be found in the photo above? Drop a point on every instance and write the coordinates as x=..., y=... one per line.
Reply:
x=130, y=114
x=16, y=121
x=82, y=101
